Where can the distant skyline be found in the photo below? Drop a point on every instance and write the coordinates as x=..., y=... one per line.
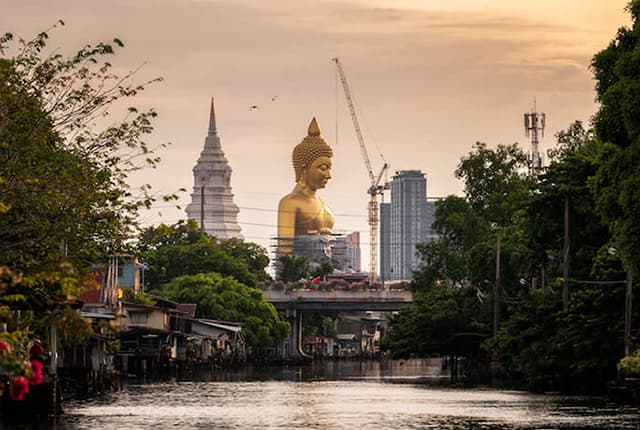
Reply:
x=430, y=78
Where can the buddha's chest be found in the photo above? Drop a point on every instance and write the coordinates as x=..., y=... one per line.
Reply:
x=314, y=219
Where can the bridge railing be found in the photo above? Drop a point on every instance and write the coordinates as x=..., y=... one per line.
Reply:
x=338, y=295
x=332, y=285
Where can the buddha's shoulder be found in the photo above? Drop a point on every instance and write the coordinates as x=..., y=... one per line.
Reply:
x=290, y=199
x=296, y=199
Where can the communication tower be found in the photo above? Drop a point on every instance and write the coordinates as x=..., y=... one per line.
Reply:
x=533, y=127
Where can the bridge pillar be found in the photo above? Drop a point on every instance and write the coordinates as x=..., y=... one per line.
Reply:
x=294, y=344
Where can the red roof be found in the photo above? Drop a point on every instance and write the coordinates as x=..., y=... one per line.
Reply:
x=91, y=288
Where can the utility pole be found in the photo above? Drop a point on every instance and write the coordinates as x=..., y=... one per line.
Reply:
x=628, y=300
x=565, y=256
x=202, y=207
x=497, y=287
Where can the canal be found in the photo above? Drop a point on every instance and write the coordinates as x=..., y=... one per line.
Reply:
x=345, y=395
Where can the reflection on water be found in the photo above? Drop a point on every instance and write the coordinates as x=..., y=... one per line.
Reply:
x=339, y=396
x=388, y=370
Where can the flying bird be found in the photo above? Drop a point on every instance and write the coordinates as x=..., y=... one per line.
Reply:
x=254, y=107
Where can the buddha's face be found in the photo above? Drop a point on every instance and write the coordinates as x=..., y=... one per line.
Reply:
x=318, y=173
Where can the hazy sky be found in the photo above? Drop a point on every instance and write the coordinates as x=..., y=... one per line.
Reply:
x=429, y=77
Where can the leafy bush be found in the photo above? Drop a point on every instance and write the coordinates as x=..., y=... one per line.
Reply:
x=630, y=366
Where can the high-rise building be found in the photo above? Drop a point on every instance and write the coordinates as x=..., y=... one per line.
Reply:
x=353, y=251
x=384, y=242
x=212, y=203
x=404, y=223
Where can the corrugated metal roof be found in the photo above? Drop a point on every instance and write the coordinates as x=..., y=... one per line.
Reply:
x=231, y=328
x=97, y=316
x=346, y=336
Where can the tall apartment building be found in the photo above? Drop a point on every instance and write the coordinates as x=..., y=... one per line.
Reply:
x=353, y=251
x=404, y=223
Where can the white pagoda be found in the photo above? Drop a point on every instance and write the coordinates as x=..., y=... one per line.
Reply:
x=212, y=203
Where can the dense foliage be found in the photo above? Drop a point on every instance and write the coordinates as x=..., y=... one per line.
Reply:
x=224, y=298
x=453, y=289
x=182, y=249
x=292, y=268
x=574, y=349
x=616, y=185
x=550, y=343
x=186, y=265
x=65, y=203
x=63, y=181
x=441, y=320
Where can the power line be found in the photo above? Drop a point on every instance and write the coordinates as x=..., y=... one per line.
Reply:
x=272, y=211
x=311, y=213
x=579, y=281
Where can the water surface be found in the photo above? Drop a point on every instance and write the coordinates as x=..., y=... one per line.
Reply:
x=339, y=396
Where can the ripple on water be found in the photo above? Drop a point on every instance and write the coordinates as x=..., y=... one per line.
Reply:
x=347, y=404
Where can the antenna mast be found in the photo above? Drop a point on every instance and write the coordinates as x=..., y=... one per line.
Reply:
x=534, y=123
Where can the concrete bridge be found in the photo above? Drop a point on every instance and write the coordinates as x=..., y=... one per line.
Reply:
x=339, y=300
x=295, y=302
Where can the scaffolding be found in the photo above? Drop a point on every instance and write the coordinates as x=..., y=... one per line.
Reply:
x=319, y=249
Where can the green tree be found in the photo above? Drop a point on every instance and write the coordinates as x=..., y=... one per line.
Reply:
x=65, y=202
x=526, y=344
x=572, y=351
x=64, y=194
x=616, y=186
x=441, y=320
x=573, y=162
x=204, y=256
x=322, y=270
x=184, y=232
x=224, y=298
x=459, y=230
x=182, y=249
x=494, y=183
x=451, y=313
x=496, y=194
x=292, y=268
x=576, y=349
x=319, y=324
x=131, y=296
x=254, y=255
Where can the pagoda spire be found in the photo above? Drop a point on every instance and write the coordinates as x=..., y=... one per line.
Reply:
x=212, y=119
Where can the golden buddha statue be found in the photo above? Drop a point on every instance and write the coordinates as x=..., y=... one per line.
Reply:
x=302, y=213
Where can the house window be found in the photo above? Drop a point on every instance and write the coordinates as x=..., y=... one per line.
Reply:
x=120, y=272
x=139, y=317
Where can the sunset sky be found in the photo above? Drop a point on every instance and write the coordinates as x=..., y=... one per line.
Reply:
x=429, y=77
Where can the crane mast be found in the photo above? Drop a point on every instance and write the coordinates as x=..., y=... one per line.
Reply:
x=375, y=189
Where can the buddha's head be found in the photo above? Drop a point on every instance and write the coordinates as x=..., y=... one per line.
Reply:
x=312, y=159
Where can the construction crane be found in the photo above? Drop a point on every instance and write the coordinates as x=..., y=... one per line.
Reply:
x=375, y=188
